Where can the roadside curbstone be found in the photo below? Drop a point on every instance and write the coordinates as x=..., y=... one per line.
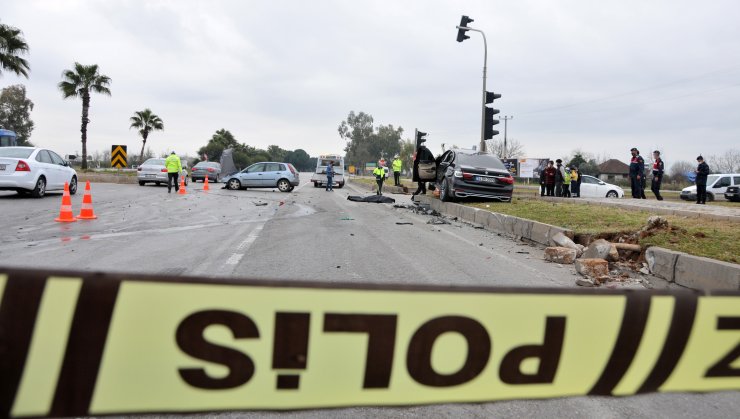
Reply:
x=662, y=262
x=706, y=274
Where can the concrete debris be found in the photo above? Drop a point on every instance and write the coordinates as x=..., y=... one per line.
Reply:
x=644, y=271
x=438, y=221
x=593, y=268
x=561, y=240
x=560, y=255
x=585, y=282
x=601, y=249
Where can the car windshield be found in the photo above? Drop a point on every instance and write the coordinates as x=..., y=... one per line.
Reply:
x=155, y=162
x=17, y=153
x=480, y=160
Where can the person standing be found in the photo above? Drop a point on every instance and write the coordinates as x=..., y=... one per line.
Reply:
x=422, y=156
x=658, y=169
x=542, y=182
x=566, y=183
x=397, y=165
x=702, y=171
x=330, y=176
x=559, y=178
x=575, y=182
x=637, y=168
x=550, y=176
x=379, y=176
x=174, y=167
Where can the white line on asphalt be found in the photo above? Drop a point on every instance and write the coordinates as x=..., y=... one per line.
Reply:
x=235, y=258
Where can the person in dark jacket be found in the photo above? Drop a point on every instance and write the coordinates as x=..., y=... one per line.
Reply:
x=559, y=177
x=658, y=169
x=702, y=171
x=422, y=155
x=637, y=175
x=550, y=174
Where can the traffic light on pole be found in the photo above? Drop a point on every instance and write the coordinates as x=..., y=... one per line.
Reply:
x=490, y=113
x=461, y=32
x=420, y=138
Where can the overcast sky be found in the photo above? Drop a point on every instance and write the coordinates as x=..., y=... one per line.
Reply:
x=602, y=76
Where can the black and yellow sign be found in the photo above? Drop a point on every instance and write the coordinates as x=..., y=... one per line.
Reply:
x=118, y=156
x=75, y=344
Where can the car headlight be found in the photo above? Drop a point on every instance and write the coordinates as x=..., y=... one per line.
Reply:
x=458, y=173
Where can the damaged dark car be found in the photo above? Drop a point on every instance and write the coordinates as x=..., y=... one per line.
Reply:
x=473, y=174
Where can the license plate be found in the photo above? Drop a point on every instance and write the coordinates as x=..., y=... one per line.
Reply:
x=2, y=167
x=485, y=179
x=150, y=175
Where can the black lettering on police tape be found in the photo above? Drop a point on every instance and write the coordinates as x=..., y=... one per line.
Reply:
x=548, y=353
x=290, y=346
x=190, y=339
x=419, y=355
x=723, y=367
x=381, y=331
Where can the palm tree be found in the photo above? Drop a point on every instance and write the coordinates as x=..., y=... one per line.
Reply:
x=12, y=46
x=79, y=83
x=145, y=121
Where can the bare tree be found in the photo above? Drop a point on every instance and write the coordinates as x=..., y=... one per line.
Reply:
x=727, y=162
x=513, y=148
x=679, y=169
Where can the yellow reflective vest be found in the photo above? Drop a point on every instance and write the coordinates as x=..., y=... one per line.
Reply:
x=397, y=163
x=379, y=172
x=172, y=163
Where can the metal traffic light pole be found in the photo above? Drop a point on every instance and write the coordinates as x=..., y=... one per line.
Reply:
x=483, y=102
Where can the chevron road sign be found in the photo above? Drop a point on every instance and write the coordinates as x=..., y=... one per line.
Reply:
x=118, y=156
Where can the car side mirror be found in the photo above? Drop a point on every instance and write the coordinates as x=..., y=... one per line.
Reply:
x=602, y=183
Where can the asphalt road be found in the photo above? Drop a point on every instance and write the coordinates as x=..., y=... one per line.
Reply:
x=308, y=234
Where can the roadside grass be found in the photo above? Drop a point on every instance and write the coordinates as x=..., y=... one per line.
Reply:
x=671, y=196
x=709, y=238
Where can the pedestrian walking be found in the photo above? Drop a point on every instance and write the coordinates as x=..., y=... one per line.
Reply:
x=575, y=182
x=566, y=183
x=637, y=168
x=559, y=177
x=702, y=171
x=658, y=169
x=174, y=168
x=550, y=178
x=379, y=174
x=330, y=176
x=397, y=165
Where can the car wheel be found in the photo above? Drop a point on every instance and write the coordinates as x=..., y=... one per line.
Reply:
x=283, y=185
x=186, y=181
x=341, y=184
x=710, y=197
x=40, y=188
x=612, y=194
x=444, y=191
x=234, y=184
x=141, y=183
x=73, y=185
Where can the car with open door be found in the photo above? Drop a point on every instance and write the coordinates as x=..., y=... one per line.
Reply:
x=473, y=174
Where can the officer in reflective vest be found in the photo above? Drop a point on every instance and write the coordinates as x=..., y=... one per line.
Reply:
x=397, y=164
x=379, y=176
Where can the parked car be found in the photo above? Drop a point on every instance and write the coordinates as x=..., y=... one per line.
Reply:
x=733, y=194
x=717, y=185
x=265, y=175
x=592, y=187
x=469, y=173
x=35, y=170
x=206, y=168
x=154, y=171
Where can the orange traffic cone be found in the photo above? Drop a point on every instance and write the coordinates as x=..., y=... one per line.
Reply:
x=182, y=190
x=65, y=212
x=205, y=184
x=87, y=213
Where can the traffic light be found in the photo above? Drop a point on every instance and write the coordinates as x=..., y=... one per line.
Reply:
x=461, y=32
x=420, y=138
x=490, y=113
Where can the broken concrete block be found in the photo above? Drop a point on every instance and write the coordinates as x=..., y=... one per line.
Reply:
x=593, y=268
x=585, y=282
x=560, y=255
x=561, y=240
x=601, y=249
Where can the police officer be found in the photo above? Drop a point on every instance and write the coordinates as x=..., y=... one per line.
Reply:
x=397, y=165
x=702, y=171
x=379, y=176
x=658, y=169
x=637, y=168
x=174, y=167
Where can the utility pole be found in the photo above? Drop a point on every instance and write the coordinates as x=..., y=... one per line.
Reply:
x=506, y=120
x=462, y=28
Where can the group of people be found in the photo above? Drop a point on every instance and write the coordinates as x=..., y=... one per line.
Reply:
x=560, y=180
x=380, y=174
x=638, y=178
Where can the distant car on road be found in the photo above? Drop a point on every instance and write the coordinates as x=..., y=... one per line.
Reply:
x=35, y=170
x=206, y=168
x=592, y=187
x=733, y=194
x=319, y=176
x=469, y=173
x=154, y=171
x=265, y=175
x=717, y=185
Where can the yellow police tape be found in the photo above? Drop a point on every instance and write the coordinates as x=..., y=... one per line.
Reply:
x=87, y=344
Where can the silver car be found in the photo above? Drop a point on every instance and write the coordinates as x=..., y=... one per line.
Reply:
x=206, y=168
x=265, y=175
x=154, y=171
x=34, y=170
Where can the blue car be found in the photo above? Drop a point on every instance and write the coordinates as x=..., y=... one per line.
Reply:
x=265, y=175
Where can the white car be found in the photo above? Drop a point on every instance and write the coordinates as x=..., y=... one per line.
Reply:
x=35, y=170
x=717, y=185
x=154, y=171
x=592, y=187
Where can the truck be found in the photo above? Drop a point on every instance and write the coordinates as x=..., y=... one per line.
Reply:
x=7, y=138
x=319, y=176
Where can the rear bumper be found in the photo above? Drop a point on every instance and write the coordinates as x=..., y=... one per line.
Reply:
x=17, y=180
x=158, y=177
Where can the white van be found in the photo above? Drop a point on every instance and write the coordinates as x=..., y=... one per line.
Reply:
x=319, y=176
x=717, y=185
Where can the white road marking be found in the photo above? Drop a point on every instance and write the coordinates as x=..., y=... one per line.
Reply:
x=236, y=257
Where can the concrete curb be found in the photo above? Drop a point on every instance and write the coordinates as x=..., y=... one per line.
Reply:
x=694, y=272
x=519, y=228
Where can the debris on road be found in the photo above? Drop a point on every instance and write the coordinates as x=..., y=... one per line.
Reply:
x=260, y=204
x=346, y=219
x=404, y=223
x=560, y=255
x=438, y=221
x=593, y=268
x=378, y=199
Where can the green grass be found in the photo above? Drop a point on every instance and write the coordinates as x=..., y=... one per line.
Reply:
x=709, y=238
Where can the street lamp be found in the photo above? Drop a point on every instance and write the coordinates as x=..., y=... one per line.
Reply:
x=462, y=28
